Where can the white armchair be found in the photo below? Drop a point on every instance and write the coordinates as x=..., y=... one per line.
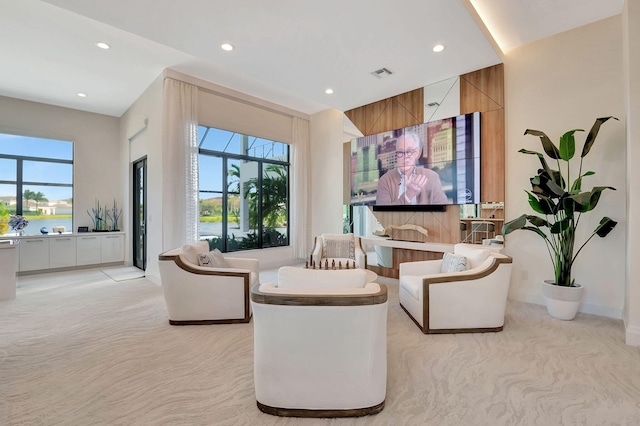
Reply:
x=339, y=247
x=468, y=301
x=206, y=295
x=320, y=344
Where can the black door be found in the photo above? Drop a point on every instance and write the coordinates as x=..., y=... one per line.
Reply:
x=140, y=213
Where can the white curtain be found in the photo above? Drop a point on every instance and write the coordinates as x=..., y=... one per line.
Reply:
x=300, y=189
x=180, y=164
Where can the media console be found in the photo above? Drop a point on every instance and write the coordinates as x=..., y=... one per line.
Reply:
x=398, y=246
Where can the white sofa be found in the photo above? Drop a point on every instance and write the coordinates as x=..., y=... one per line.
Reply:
x=204, y=295
x=339, y=248
x=320, y=343
x=469, y=301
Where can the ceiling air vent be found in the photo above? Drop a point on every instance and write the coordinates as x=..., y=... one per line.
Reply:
x=382, y=72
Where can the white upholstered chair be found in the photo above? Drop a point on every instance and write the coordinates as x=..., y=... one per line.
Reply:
x=469, y=301
x=206, y=295
x=320, y=343
x=339, y=248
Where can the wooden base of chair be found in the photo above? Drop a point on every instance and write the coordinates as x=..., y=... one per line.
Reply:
x=208, y=322
x=301, y=412
x=427, y=330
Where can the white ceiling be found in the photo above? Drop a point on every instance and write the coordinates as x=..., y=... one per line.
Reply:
x=287, y=51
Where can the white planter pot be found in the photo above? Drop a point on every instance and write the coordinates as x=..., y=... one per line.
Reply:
x=562, y=302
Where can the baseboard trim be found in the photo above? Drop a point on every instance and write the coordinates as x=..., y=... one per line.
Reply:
x=632, y=335
x=585, y=307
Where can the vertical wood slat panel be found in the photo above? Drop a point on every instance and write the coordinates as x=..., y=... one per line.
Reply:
x=378, y=117
x=492, y=149
x=483, y=91
x=357, y=117
x=408, y=109
x=488, y=81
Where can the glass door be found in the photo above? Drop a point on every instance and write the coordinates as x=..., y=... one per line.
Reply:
x=140, y=213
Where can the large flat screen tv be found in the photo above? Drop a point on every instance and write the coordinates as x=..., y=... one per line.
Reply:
x=422, y=167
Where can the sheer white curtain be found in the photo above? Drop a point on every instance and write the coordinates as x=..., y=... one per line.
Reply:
x=180, y=164
x=300, y=189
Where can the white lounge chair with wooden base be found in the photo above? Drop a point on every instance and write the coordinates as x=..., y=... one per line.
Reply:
x=206, y=294
x=468, y=301
x=320, y=344
x=338, y=248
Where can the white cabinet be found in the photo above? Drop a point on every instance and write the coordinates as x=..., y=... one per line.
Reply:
x=34, y=254
x=62, y=252
x=8, y=256
x=68, y=250
x=88, y=250
x=112, y=248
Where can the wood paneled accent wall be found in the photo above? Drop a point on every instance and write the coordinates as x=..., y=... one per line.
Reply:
x=400, y=111
x=483, y=91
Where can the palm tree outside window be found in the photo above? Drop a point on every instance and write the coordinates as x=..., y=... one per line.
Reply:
x=244, y=190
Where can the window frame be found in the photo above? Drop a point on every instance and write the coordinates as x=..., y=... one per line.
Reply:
x=19, y=181
x=224, y=193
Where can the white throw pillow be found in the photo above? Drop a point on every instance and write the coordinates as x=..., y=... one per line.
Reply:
x=453, y=263
x=475, y=256
x=213, y=259
x=192, y=251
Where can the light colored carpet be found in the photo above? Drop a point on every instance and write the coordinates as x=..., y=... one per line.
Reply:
x=78, y=349
x=124, y=273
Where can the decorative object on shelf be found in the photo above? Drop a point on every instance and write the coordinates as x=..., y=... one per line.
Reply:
x=105, y=219
x=43, y=230
x=98, y=217
x=349, y=264
x=406, y=227
x=114, y=215
x=17, y=223
x=83, y=229
x=562, y=203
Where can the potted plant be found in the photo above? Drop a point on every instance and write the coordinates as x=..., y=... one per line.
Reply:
x=561, y=200
x=4, y=219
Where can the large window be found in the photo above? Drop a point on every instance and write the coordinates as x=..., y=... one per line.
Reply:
x=36, y=181
x=244, y=190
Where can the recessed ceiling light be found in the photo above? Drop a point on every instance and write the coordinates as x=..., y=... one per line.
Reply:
x=103, y=45
x=82, y=95
x=328, y=91
x=226, y=46
x=438, y=48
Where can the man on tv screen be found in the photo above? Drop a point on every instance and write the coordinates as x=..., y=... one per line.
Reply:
x=408, y=184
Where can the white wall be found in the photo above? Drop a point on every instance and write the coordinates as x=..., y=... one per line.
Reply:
x=327, y=134
x=631, y=37
x=555, y=85
x=147, y=142
x=96, y=168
